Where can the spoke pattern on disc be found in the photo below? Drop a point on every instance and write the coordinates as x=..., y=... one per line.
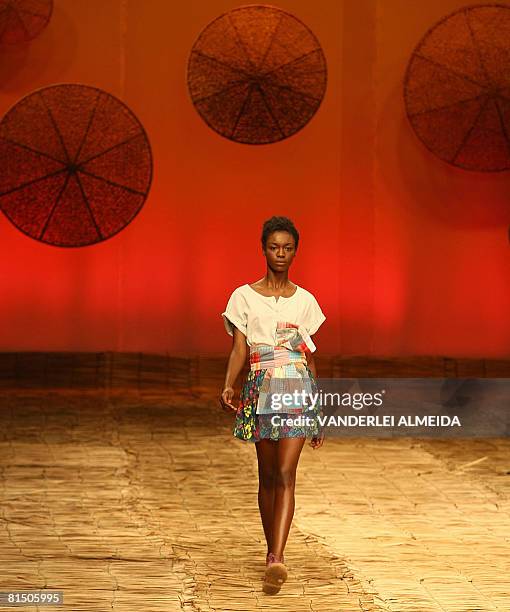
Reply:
x=254, y=67
x=23, y=20
x=456, y=86
x=77, y=165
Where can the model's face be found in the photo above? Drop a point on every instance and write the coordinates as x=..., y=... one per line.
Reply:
x=280, y=251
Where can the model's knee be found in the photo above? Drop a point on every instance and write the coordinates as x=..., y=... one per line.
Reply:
x=285, y=478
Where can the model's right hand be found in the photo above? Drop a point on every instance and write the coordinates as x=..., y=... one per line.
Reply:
x=226, y=399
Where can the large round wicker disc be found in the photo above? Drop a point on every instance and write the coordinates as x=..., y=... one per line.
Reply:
x=76, y=165
x=22, y=20
x=256, y=74
x=457, y=88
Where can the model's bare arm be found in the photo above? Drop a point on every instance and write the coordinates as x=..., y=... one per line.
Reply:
x=234, y=366
x=310, y=359
x=318, y=441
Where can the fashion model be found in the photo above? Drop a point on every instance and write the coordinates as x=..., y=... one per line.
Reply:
x=275, y=318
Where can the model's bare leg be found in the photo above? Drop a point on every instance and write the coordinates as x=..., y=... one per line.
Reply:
x=267, y=457
x=289, y=450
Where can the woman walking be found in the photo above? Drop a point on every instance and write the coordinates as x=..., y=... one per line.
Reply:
x=275, y=319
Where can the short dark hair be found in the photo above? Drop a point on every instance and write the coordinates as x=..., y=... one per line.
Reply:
x=278, y=224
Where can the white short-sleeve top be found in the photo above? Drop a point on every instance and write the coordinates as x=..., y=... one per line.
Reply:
x=257, y=315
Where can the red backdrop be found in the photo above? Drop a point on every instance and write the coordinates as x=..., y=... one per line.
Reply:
x=406, y=254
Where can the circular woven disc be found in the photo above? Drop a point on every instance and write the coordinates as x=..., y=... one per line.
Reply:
x=22, y=20
x=257, y=74
x=76, y=165
x=457, y=88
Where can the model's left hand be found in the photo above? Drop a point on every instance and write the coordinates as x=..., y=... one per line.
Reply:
x=317, y=441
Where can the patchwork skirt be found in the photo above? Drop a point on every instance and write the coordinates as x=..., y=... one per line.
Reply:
x=251, y=426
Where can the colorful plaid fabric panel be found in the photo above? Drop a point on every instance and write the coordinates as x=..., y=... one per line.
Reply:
x=285, y=373
x=294, y=337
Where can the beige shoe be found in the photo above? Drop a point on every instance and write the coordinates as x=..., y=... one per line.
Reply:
x=275, y=576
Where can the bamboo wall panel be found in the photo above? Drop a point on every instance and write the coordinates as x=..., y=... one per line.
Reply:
x=148, y=372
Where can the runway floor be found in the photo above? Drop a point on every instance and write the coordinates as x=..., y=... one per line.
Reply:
x=147, y=502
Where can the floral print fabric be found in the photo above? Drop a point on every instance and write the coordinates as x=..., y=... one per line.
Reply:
x=252, y=427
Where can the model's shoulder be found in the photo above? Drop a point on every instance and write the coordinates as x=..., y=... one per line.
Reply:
x=239, y=291
x=306, y=294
